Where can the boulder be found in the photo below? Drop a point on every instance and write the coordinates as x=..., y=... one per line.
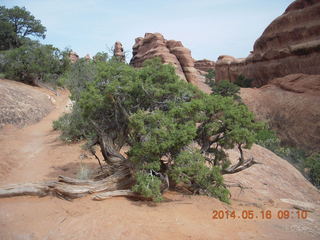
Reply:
x=290, y=44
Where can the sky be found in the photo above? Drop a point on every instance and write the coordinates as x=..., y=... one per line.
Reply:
x=209, y=28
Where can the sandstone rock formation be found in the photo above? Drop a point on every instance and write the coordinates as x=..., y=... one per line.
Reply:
x=74, y=57
x=204, y=65
x=118, y=51
x=290, y=44
x=291, y=105
x=170, y=51
x=87, y=57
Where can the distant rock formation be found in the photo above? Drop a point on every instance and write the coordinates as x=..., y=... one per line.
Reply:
x=118, y=51
x=291, y=106
x=204, y=65
x=87, y=57
x=170, y=51
x=290, y=44
x=74, y=57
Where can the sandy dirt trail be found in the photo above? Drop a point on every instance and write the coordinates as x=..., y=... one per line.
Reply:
x=35, y=153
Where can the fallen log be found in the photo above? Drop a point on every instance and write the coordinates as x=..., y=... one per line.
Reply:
x=69, y=188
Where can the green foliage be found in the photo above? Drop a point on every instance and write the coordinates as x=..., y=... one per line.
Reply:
x=226, y=89
x=161, y=135
x=34, y=62
x=210, y=77
x=148, y=186
x=313, y=165
x=100, y=57
x=16, y=24
x=73, y=126
x=159, y=117
x=243, y=82
x=298, y=157
x=79, y=75
x=190, y=168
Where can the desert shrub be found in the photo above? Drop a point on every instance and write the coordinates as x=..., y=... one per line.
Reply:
x=73, y=126
x=160, y=117
x=148, y=186
x=210, y=77
x=312, y=163
x=226, y=89
x=84, y=172
x=243, y=82
x=190, y=168
x=101, y=57
x=79, y=75
x=34, y=62
x=299, y=158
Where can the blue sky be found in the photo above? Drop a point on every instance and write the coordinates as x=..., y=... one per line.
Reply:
x=209, y=28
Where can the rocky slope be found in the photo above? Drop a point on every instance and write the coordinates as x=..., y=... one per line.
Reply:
x=291, y=106
x=22, y=104
x=170, y=51
x=290, y=44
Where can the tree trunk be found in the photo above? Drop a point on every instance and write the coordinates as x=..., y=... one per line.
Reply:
x=118, y=177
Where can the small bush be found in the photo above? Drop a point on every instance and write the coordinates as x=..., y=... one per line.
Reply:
x=148, y=186
x=226, y=89
x=298, y=157
x=84, y=172
x=313, y=165
x=243, y=82
x=190, y=168
x=210, y=77
x=33, y=63
x=73, y=126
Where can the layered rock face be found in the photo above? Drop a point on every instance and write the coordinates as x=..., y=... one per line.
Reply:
x=204, y=65
x=290, y=44
x=170, y=51
x=291, y=105
x=118, y=51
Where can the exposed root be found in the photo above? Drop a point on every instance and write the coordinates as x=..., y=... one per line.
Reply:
x=240, y=166
x=69, y=188
x=118, y=193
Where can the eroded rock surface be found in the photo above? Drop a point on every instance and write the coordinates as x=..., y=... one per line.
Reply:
x=290, y=44
x=170, y=51
x=291, y=105
x=204, y=65
x=22, y=104
x=118, y=51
